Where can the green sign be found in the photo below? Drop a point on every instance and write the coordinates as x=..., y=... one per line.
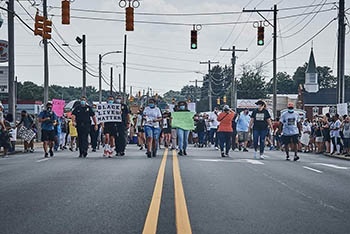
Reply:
x=183, y=120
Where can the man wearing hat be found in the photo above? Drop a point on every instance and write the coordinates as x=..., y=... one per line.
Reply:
x=290, y=130
x=48, y=120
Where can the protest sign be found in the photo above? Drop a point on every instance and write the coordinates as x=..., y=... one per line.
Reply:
x=26, y=134
x=108, y=113
x=183, y=120
x=342, y=109
x=58, y=107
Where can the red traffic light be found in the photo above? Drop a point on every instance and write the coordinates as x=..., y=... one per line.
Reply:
x=65, y=12
x=129, y=18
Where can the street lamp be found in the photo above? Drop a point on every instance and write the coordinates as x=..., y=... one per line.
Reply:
x=100, y=70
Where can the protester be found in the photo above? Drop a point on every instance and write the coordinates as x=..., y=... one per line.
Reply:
x=201, y=130
x=290, y=131
x=27, y=122
x=4, y=135
x=306, y=135
x=122, y=128
x=346, y=133
x=213, y=122
x=277, y=134
x=93, y=131
x=140, y=129
x=48, y=120
x=243, y=121
x=318, y=134
x=225, y=130
x=166, y=128
x=183, y=134
x=259, y=124
x=58, y=132
x=151, y=117
x=64, y=131
x=326, y=132
x=81, y=119
x=335, y=134
x=73, y=134
x=110, y=132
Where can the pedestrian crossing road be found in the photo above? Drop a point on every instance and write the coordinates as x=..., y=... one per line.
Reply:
x=199, y=193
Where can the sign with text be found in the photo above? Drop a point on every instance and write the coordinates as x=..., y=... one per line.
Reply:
x=107, y=113
x=4, y=56
x=4, y=79
x=58, y=107
x=26, y=134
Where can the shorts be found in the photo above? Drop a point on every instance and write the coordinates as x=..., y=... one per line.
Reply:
x=319, y=139
x=166, y=130
x=294, y=139
x=47, y=135
x=152, y=132
x=243, y=136
x=140, y=129
x=110, y=128
x=346, y=143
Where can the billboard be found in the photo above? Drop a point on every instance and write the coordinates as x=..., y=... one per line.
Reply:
x=4, y=80
x=4, y=56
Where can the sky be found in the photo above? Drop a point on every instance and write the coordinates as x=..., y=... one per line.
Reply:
x=158, y=55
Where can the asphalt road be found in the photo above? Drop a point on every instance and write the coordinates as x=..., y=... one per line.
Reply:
x=200, y=193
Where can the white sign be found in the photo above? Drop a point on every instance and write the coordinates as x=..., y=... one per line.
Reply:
x=109, y=113
x=26, y=134
x=4, y=79
x=325, y=110
x=342, y=109
x=192, y=107
x=4, y=57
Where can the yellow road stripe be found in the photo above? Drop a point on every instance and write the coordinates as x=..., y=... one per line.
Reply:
x=183, y=224
x=153, y=212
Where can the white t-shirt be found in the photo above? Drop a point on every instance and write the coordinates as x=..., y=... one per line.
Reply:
x=306, y=128
x=213, y=120
x=151, y=114
x=336, y=124
x=290, y=123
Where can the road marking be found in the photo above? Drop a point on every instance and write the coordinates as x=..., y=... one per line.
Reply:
x=183, y=225
x=153, y=212
x=42, y=160
x=255, y=162
x=312, y=169
x=332, y=166
x=251, y=161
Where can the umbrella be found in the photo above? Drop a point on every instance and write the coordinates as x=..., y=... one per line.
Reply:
x=72, y=104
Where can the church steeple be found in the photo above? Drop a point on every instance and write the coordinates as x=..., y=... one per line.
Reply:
x=311, y=76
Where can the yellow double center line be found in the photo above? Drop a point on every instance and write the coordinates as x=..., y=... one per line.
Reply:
x=183, y=225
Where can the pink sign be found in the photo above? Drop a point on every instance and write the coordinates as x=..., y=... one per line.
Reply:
x=58, y=107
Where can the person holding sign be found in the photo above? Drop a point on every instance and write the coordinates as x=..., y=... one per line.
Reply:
x=81, y=119
x=151, y=118
x=225, y=130
x=110, y=132
x=184, y=123
x=48, y=120
x=27, y=122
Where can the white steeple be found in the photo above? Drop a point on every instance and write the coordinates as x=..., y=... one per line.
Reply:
x=311, y=76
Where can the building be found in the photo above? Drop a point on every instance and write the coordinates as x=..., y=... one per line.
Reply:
x=32, y=107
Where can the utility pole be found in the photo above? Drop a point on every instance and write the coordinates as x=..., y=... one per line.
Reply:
x=111, y=88
x=209, y=77
x=130, y=91
x=274, y=25
x=11, y=59
x=234, y=80
x=341, y=53
x=46, y=60
x=120, y=84
x=84, y=66
x=100, y=77
x=196, y=88
x=124, y=65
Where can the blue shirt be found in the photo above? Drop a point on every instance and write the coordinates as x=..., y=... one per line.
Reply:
x=48, y=125
x=290, y=123
x=243, y=123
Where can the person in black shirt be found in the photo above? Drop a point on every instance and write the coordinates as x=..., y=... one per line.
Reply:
x=201, y=129
x=94, y=132
x=122, y=128
x=260, y=121
x=81, y=119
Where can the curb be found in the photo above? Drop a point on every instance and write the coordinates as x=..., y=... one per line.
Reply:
x=337, y=156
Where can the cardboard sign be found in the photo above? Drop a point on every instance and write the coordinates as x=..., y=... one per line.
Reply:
x=26, y=134
x=342, y=109
x=109, y=113
x=58, y=107
x=183, y=120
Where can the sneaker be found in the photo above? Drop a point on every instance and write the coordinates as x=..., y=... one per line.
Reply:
x=185, y=153
x=262, y=157
x=227, y=154
x=154, y=153
x=216, y=148
x=105, y=153
x=93, y=150
x=287, y=157
x=239, y=147
x=149, y=154
x=222, y=154
x=271, y=148
x=141, y=148
x=245, y=150
x=31, y=151
x=180, y=153
x=51, y=153
x=122, y=153
x=255, y=155
x=296, y=158
x=85, y=154
x=46, y=155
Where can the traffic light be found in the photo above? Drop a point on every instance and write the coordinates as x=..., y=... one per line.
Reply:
x=47, y=29
x=261, y=32
x=65, y=12
x=194, y=44
x=225, y=99
x=39, y=25
x=129, y=18
x=218, y=101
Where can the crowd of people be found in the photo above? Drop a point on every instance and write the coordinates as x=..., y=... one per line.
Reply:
x=224, y=130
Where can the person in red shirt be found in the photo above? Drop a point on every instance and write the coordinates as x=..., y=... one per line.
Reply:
x=225, y=130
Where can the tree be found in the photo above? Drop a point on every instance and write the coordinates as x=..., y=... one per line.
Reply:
x=252, y=84
x=285, y=84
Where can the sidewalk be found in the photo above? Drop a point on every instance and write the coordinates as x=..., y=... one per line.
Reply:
x=20, y=148
x=337, y=156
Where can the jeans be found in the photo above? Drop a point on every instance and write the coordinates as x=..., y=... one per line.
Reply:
x=225, y=139
x=212, y=133
x=183, y=138
x=259, y=136
x=173, y=138
x=201, y=137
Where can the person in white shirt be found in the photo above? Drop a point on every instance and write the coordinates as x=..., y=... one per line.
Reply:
x=335, y=134
x=213, y=123
x=151, y=118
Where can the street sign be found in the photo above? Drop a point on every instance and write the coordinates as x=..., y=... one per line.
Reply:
x=4, y=57
x=4, y=80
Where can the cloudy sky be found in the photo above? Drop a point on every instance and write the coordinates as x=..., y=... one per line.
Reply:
x=159, y=55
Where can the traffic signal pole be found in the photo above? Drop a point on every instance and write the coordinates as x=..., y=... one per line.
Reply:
x=234, y=80
x=124, y=70
x=210, y=88
x=274, y=25
x=46, y=60
x=341, y=53
x=11, y=60
x=111, y=86
x=84, y=66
